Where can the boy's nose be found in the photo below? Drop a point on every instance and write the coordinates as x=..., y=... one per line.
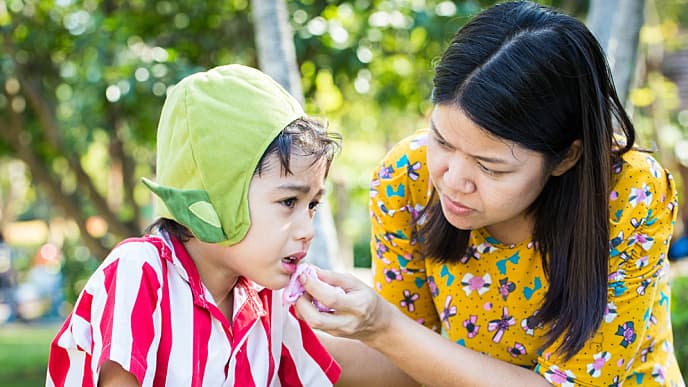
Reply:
x=304, y=229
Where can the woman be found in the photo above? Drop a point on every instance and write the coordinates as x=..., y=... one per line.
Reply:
x=519, y=224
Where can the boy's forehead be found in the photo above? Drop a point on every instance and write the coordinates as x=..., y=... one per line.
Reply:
x=306, y=171
x=299, y=164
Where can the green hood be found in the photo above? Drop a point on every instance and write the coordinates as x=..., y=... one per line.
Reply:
x=213, y=130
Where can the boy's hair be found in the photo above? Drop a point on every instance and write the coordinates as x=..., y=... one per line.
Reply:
x=305, y=136
x=538, y=78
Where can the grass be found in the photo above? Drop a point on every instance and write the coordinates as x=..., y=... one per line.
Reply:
x=24, y=353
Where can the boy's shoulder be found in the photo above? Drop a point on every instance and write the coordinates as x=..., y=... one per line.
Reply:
x=139, y=250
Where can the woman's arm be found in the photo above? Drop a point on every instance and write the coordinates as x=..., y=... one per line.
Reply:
x=421, y=353
x=363, y=366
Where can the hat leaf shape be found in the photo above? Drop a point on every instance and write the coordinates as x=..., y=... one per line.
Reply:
x=204, y=211
x=191, y=207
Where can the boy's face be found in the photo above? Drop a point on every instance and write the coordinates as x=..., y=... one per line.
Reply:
x=281, y=209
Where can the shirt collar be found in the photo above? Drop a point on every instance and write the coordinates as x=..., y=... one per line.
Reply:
x=250, y=302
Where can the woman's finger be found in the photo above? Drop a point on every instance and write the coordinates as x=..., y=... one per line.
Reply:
x=345, y=281
x=328, y=295
x=309, y=313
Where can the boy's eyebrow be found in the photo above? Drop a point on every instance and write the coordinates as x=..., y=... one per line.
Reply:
x=487, y=159
x=300, y=188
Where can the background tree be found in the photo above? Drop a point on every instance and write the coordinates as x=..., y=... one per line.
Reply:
x=277, y=58
x=616, y=24
x=83, y=83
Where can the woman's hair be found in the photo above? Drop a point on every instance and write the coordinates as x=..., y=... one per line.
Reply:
x=304, y=136
x=538, y=78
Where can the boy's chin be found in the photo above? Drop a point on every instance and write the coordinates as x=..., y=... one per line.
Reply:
x=274, y=284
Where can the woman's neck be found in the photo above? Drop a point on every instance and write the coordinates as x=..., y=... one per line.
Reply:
x=513, y=231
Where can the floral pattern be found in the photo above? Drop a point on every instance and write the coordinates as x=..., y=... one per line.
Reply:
x=487, y=301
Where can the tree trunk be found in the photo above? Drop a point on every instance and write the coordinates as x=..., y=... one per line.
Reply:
x=275, y=44
x=616, y=24
x=277, y=58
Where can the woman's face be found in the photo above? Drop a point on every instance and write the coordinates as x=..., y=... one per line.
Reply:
x=482, y=180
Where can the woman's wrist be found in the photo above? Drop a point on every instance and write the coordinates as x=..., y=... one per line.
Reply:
x=385, y=316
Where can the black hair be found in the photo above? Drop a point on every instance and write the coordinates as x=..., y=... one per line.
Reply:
x=538, y=78
x=304, y=136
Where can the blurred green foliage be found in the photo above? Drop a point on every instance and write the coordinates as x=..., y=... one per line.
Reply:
x=84, y=81
x=679, y=319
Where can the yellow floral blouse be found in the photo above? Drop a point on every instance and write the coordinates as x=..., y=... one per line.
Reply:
x=485, y=302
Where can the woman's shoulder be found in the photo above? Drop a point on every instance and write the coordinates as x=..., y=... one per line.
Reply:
x=643, y=205
x=637, y=168
x=412, y=147
x=403, y=171
x=640, y=181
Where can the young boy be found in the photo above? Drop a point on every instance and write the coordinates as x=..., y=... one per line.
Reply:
x=240, y=171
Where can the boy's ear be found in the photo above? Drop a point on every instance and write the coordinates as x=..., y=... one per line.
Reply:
x=571, y=158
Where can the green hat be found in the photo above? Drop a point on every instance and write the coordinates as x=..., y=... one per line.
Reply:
x=213, y=130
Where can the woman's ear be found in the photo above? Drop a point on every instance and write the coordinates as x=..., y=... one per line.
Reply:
x=570, y=159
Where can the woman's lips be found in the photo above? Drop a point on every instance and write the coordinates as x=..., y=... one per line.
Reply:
x=456, y=207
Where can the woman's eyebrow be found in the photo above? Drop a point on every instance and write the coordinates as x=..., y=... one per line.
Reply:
x=487, y=159
x=433, y=128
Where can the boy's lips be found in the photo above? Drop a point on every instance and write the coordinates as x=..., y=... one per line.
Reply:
x=291, y=262
x=298, y=256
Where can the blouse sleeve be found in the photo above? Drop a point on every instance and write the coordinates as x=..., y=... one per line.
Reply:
x=632, y=339
x=398, y=194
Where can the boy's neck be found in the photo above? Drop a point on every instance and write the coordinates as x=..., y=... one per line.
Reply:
x=219, y=282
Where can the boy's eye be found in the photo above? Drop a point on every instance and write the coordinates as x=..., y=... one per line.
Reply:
x=289, y=202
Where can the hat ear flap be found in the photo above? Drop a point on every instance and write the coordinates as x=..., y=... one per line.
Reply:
x=192, y=209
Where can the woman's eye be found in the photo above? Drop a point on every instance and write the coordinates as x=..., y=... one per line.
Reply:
x=289, y=202
x=488, y=170
x=441, y=142
x=313, y=205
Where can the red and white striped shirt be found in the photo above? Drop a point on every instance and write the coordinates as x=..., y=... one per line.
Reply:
x=146, y=309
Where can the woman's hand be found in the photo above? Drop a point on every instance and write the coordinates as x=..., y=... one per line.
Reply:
x=416, y=352
x=359, y=313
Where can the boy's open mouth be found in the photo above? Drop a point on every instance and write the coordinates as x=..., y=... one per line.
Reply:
x=290, y=259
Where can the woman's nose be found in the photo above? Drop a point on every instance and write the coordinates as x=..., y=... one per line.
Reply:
x=457, y=176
